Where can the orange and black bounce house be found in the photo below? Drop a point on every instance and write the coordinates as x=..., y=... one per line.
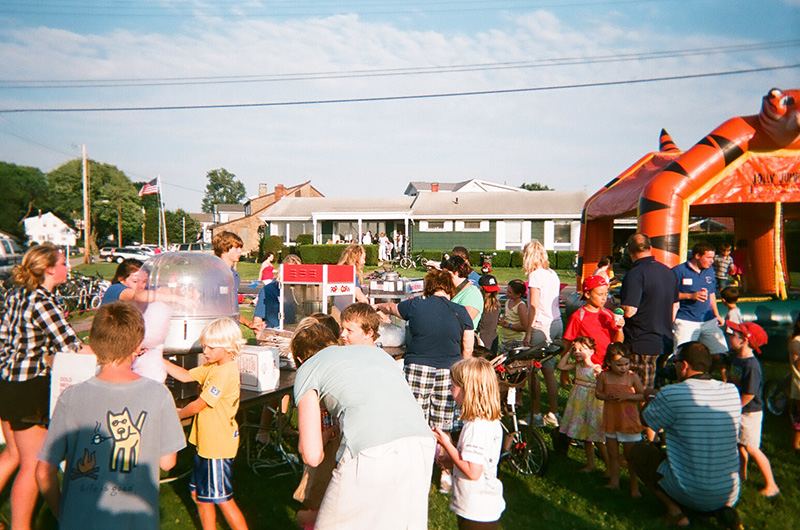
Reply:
x=748, y=169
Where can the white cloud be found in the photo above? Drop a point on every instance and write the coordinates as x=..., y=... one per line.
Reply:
x=567, y=138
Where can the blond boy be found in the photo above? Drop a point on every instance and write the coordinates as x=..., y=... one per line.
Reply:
x=214, y=432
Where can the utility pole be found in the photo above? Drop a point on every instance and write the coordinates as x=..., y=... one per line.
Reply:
x=86, y=213
x=119, y=218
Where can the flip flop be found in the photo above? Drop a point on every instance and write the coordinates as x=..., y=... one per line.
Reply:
x=674, y=520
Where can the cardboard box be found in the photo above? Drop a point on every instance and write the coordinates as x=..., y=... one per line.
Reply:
x=69, y=369
x=259, y=368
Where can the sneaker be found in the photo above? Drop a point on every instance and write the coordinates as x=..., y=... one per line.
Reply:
x=537, y=420
x=445, y=483
x=550, y=420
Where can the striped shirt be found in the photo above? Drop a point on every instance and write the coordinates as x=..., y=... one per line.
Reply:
x=701, y=420
x=32, y=327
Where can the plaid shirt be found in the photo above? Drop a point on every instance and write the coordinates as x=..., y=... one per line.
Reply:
x=32, y=326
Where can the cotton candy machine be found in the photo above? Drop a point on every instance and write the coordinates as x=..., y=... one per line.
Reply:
x=198, y=288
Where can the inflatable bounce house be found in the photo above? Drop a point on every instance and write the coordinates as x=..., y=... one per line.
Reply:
x=747, y=169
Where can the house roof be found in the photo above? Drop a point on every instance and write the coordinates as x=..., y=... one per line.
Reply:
x=500, y=205
x=288, y=191
x=304, y=208
x=472, y=185
x=48, y=217
x=229, y=208
x=456, y=205
x=202, y=217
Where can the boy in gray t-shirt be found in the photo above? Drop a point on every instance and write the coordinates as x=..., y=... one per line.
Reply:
x=114, y=431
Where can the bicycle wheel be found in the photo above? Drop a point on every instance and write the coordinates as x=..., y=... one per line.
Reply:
x=94, y=301
x=776, y=393
x=406, y=262
x=528, y=452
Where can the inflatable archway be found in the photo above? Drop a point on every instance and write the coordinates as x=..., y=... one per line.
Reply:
x=748, y=169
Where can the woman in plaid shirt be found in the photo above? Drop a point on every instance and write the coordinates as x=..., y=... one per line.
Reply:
x=31, y=330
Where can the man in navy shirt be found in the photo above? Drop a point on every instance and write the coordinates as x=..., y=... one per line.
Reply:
x=648, y=293
x=697, y=317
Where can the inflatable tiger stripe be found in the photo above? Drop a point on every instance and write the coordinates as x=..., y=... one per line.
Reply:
x=664, y=204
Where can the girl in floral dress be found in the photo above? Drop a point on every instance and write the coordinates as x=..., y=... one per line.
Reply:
x=583, y=416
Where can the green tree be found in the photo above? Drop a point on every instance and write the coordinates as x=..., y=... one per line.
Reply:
x=175, y=227
x=25, y=192
x=113, y=200
x=222, y=188
x=536, y=186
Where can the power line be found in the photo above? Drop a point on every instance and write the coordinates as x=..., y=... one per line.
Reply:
x=295, y=9
x=407, y=97
x=383, y=72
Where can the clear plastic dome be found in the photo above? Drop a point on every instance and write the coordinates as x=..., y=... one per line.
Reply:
x=193, y=284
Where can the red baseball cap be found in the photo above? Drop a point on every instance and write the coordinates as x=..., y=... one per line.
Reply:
x=489, y=283
x=593, y=281
x=756, y=336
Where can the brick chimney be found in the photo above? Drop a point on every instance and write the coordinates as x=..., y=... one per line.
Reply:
x=262, y=189
x=434, y=187
x=280, y=191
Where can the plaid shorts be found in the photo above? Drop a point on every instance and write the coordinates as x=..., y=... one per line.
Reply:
x=431, y=388
x=645, y=367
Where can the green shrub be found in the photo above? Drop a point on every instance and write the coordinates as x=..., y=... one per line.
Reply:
x=320, y=254
x=304, y=239
x=500, y=258
x=272, y=244
x=561, y=259
x=516, y=259
x=330, y=254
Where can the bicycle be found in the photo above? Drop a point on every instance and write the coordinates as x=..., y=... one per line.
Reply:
x=524, y=447
x=776, y=395
x=81, y=294
x=413, y=261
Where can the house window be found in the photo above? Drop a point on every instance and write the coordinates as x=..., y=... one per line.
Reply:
x=513, y=232
x=436, y=226
x=472, y=226
x=562, y=234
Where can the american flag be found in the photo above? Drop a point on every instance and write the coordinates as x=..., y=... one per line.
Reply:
x=150, y=188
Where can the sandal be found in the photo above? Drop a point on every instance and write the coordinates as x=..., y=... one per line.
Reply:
x=675, y=520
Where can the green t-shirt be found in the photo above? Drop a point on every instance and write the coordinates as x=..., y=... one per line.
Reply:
x=470, y=296
x=364, y=388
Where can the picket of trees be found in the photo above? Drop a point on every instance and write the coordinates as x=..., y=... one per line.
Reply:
x=114, y=203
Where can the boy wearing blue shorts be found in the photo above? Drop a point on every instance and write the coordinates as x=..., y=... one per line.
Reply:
x=214, y=430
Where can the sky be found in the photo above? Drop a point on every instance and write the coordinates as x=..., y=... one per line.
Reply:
x=362, y=97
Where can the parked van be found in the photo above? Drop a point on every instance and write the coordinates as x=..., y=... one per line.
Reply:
x=10, y=254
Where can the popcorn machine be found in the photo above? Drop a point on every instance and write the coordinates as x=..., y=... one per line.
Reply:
x=309, y=289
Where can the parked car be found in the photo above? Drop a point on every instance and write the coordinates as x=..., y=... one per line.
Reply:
x=105, y=252
x=141, y=248
x=196, y=247
x=10, y=254
x=121, y=254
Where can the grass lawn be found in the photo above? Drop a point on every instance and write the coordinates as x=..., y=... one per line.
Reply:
x=249, y=272
x=562, y=499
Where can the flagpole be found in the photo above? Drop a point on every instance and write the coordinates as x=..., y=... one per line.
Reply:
x=161, y=206
x=160, y=211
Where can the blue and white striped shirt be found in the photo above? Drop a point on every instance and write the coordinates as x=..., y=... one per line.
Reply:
x=701, y=420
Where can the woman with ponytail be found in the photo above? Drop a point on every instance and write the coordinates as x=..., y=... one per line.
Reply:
x=32, y=330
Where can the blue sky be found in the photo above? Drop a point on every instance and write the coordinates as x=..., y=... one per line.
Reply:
x=68, y=54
